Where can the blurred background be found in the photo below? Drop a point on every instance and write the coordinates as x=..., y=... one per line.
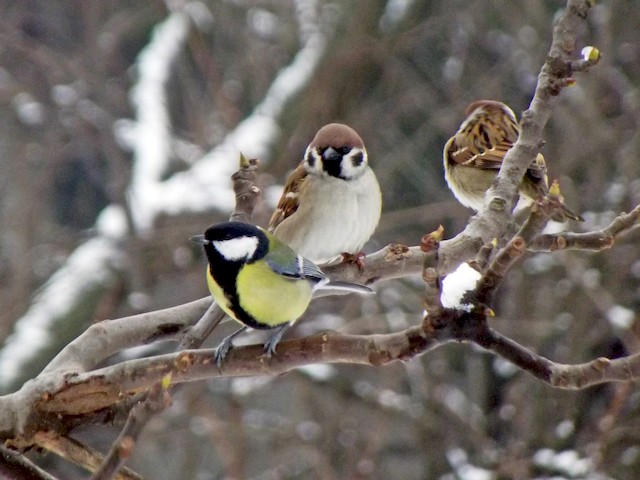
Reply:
x=120, y=123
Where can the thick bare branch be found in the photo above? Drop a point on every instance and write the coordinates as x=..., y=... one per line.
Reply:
x=571, y=377
x=105, y=338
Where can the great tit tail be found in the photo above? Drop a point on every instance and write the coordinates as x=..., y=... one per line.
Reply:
x=340, y=287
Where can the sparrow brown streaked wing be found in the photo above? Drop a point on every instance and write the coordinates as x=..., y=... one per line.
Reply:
x=288, y=203
x=473, y=156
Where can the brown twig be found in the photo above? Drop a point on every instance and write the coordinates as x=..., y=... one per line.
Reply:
x=595, y=241
x=393, y=261
x=246, y=190
x=196, y=335
x=14, y=465
x=539, y=214
x=432, y=305
x=77, y=453
x=157, y=400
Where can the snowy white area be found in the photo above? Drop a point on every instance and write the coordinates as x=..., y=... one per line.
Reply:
x=206, y=185
x=567, y=462
x=152, y=129
x=88, y=267
x=621, y=317
x=455, y=285
x=459, y=461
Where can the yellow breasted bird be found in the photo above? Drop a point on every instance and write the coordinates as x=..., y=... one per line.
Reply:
x=259, y=281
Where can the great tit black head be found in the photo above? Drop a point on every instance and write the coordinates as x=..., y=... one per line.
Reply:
x=234, y=242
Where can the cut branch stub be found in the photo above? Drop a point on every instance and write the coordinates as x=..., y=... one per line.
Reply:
x=246, y=190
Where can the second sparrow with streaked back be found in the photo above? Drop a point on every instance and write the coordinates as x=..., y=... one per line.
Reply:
x=473, y=156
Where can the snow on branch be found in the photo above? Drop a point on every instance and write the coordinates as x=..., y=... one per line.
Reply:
x=152, y=130
x=206, y=185
x=52, y=318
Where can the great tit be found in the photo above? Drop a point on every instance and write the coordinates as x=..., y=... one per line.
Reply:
x=259, y=281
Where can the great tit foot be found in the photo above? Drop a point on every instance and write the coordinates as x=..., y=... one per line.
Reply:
x=270, y=345
x=225, y=346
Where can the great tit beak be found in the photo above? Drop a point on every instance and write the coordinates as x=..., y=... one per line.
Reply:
x=199, y=239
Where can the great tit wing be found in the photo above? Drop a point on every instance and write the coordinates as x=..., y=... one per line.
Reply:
x=299, y=267
x=284, y=261
x=311, y=271
x=291, y=268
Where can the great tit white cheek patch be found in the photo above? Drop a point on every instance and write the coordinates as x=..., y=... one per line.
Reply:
x=236, y=249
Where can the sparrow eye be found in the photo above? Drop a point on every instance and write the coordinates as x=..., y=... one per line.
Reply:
x=344, y=150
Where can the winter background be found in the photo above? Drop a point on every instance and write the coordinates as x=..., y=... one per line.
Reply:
x=120, y=124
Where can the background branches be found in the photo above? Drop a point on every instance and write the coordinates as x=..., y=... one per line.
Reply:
x=140, y=174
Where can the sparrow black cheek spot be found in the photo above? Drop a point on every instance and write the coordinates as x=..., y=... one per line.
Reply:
x=310, y=159
x=357, y=159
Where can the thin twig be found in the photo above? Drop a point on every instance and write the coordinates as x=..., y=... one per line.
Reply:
x=246, y=190
x=77, y=453
x=13, y=465
x=156, y=401
x=196, y=335
x=595, y=241
x=539, y=214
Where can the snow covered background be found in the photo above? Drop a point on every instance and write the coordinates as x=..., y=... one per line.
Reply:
x=122, y=123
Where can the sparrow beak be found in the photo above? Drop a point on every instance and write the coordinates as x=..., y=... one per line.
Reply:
x=331, y=155
x=199, y=239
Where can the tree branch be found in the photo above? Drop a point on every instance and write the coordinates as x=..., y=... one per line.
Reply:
x=157, y=400
x=105, y=338
x=13, y=465
x=492, y=221
x=77, y=453
x=596, y=241
x=246, y=190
